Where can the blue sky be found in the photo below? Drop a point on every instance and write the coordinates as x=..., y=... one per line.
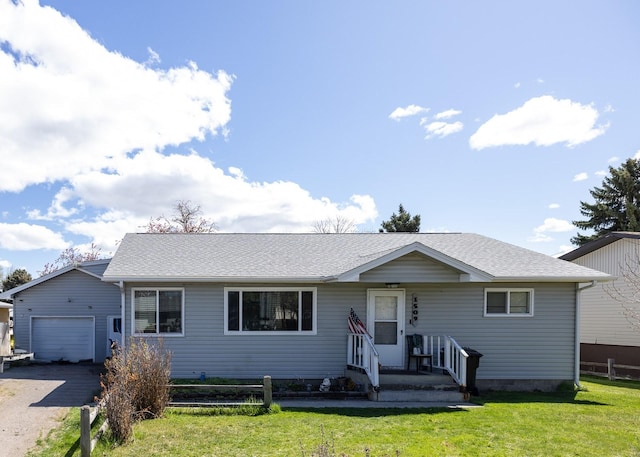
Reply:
x=487, y=117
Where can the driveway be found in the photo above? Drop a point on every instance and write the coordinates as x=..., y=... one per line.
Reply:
x=35, y=398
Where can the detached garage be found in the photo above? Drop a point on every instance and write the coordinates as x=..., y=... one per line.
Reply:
x=67, y=315
x=69, y=339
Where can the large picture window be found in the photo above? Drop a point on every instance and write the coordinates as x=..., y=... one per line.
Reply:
x=270, y=310
x=508, y=302
x=158, y=311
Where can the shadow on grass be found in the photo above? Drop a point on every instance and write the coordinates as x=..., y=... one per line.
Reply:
x=533, y=397
x=373, y=412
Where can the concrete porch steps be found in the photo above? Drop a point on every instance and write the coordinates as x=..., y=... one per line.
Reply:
x=412, y=386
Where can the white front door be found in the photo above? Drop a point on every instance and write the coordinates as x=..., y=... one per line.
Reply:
x=385, y=321
x=114, y=332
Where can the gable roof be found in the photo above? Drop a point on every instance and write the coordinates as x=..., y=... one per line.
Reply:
x=601, y=242
x=92, y=268
x=327, y=257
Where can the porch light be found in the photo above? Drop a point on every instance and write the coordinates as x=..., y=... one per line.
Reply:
x=392, y=285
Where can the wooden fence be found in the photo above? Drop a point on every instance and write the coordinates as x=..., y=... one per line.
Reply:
x=611, y=366
x=88, y=415
x=265, y=388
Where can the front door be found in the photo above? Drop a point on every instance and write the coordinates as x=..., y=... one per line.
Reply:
x=385, y=321
x=114, y=333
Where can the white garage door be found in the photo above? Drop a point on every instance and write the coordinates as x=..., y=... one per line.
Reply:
x=68, y=339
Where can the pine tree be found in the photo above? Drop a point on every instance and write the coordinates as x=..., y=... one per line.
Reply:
x=401, y=222
x=617, y=204
x=16, y=278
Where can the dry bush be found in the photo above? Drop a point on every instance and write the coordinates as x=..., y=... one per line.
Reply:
x=136, y=385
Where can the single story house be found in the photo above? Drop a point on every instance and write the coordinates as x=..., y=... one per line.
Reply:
x=606, y=332
x=248, y=305
x=68, y=315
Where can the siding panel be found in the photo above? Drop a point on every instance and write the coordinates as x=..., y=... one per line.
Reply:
x=538, y=347
x=602, y=315
x=71, y=294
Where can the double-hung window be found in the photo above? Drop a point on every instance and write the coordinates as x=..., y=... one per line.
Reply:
x=508, y=302
x=158, y=311
x=270, y=310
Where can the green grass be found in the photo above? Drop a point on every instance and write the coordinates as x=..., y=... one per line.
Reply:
x=602, y=420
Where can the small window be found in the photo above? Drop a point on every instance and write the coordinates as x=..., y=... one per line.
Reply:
x=270, y=310
x=158, y=311
x=508, y=302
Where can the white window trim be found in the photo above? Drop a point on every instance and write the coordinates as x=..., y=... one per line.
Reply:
x=314, y=318
x=509, y=313
x=156, y=335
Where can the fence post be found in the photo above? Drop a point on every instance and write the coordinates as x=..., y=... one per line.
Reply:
x=611, y=372
x=85, y=431
x=267, y=391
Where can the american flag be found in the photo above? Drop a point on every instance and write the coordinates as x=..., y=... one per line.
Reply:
x=355, y=324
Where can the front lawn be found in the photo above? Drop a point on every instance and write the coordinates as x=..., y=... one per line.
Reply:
x=603, y=420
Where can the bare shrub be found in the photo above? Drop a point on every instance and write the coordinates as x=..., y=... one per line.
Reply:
x=136, y=385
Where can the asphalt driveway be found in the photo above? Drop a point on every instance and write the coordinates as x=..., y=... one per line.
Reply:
x=35, y=398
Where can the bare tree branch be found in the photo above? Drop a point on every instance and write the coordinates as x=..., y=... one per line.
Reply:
x=338, y=224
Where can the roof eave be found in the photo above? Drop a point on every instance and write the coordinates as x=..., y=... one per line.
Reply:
x=216, y=279
x=557, y=279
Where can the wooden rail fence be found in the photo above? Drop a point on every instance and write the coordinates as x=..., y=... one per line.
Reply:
x=88, y=415
x=611, y=366
x=265, y=388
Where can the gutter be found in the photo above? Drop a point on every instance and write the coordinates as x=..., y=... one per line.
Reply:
x=122, y=315
x=576, y=373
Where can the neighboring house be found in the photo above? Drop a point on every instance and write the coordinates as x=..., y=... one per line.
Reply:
x=605, y=331
x=248, y=305
x=68, y=315
x=5, y=327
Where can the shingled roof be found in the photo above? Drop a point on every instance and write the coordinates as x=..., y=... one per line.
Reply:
x=327, y=257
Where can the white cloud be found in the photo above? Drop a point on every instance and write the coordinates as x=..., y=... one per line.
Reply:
x=550, y=225
x=554, y=206
x=68, y=105
x=154, y=57
x=96, y=123
x=543, y=121
x=448, y=114
x=409, y=111
x=26, y=237
x=637, y=155
x=517, y=85
x=441, y=129
x=614, y=159
x=600, y=173
x=580, y=177
x=231, y=200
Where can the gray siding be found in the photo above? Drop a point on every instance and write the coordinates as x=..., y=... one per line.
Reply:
x=538, y=347
x=411, y=268
x=602, y=315
x=71, y=294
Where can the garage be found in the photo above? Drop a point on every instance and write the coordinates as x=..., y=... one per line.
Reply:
x=69, y=339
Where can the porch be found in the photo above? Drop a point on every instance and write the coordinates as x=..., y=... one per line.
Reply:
x=445, y=379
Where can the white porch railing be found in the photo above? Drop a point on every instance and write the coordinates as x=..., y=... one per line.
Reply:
x=361, y=353
x=454, y=359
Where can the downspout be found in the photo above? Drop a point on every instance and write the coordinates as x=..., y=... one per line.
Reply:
x=576, y=374
x=122, y=314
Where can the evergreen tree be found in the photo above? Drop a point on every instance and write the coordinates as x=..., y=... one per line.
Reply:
x=16, y=278
x=617, y=204
x=401, y=222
